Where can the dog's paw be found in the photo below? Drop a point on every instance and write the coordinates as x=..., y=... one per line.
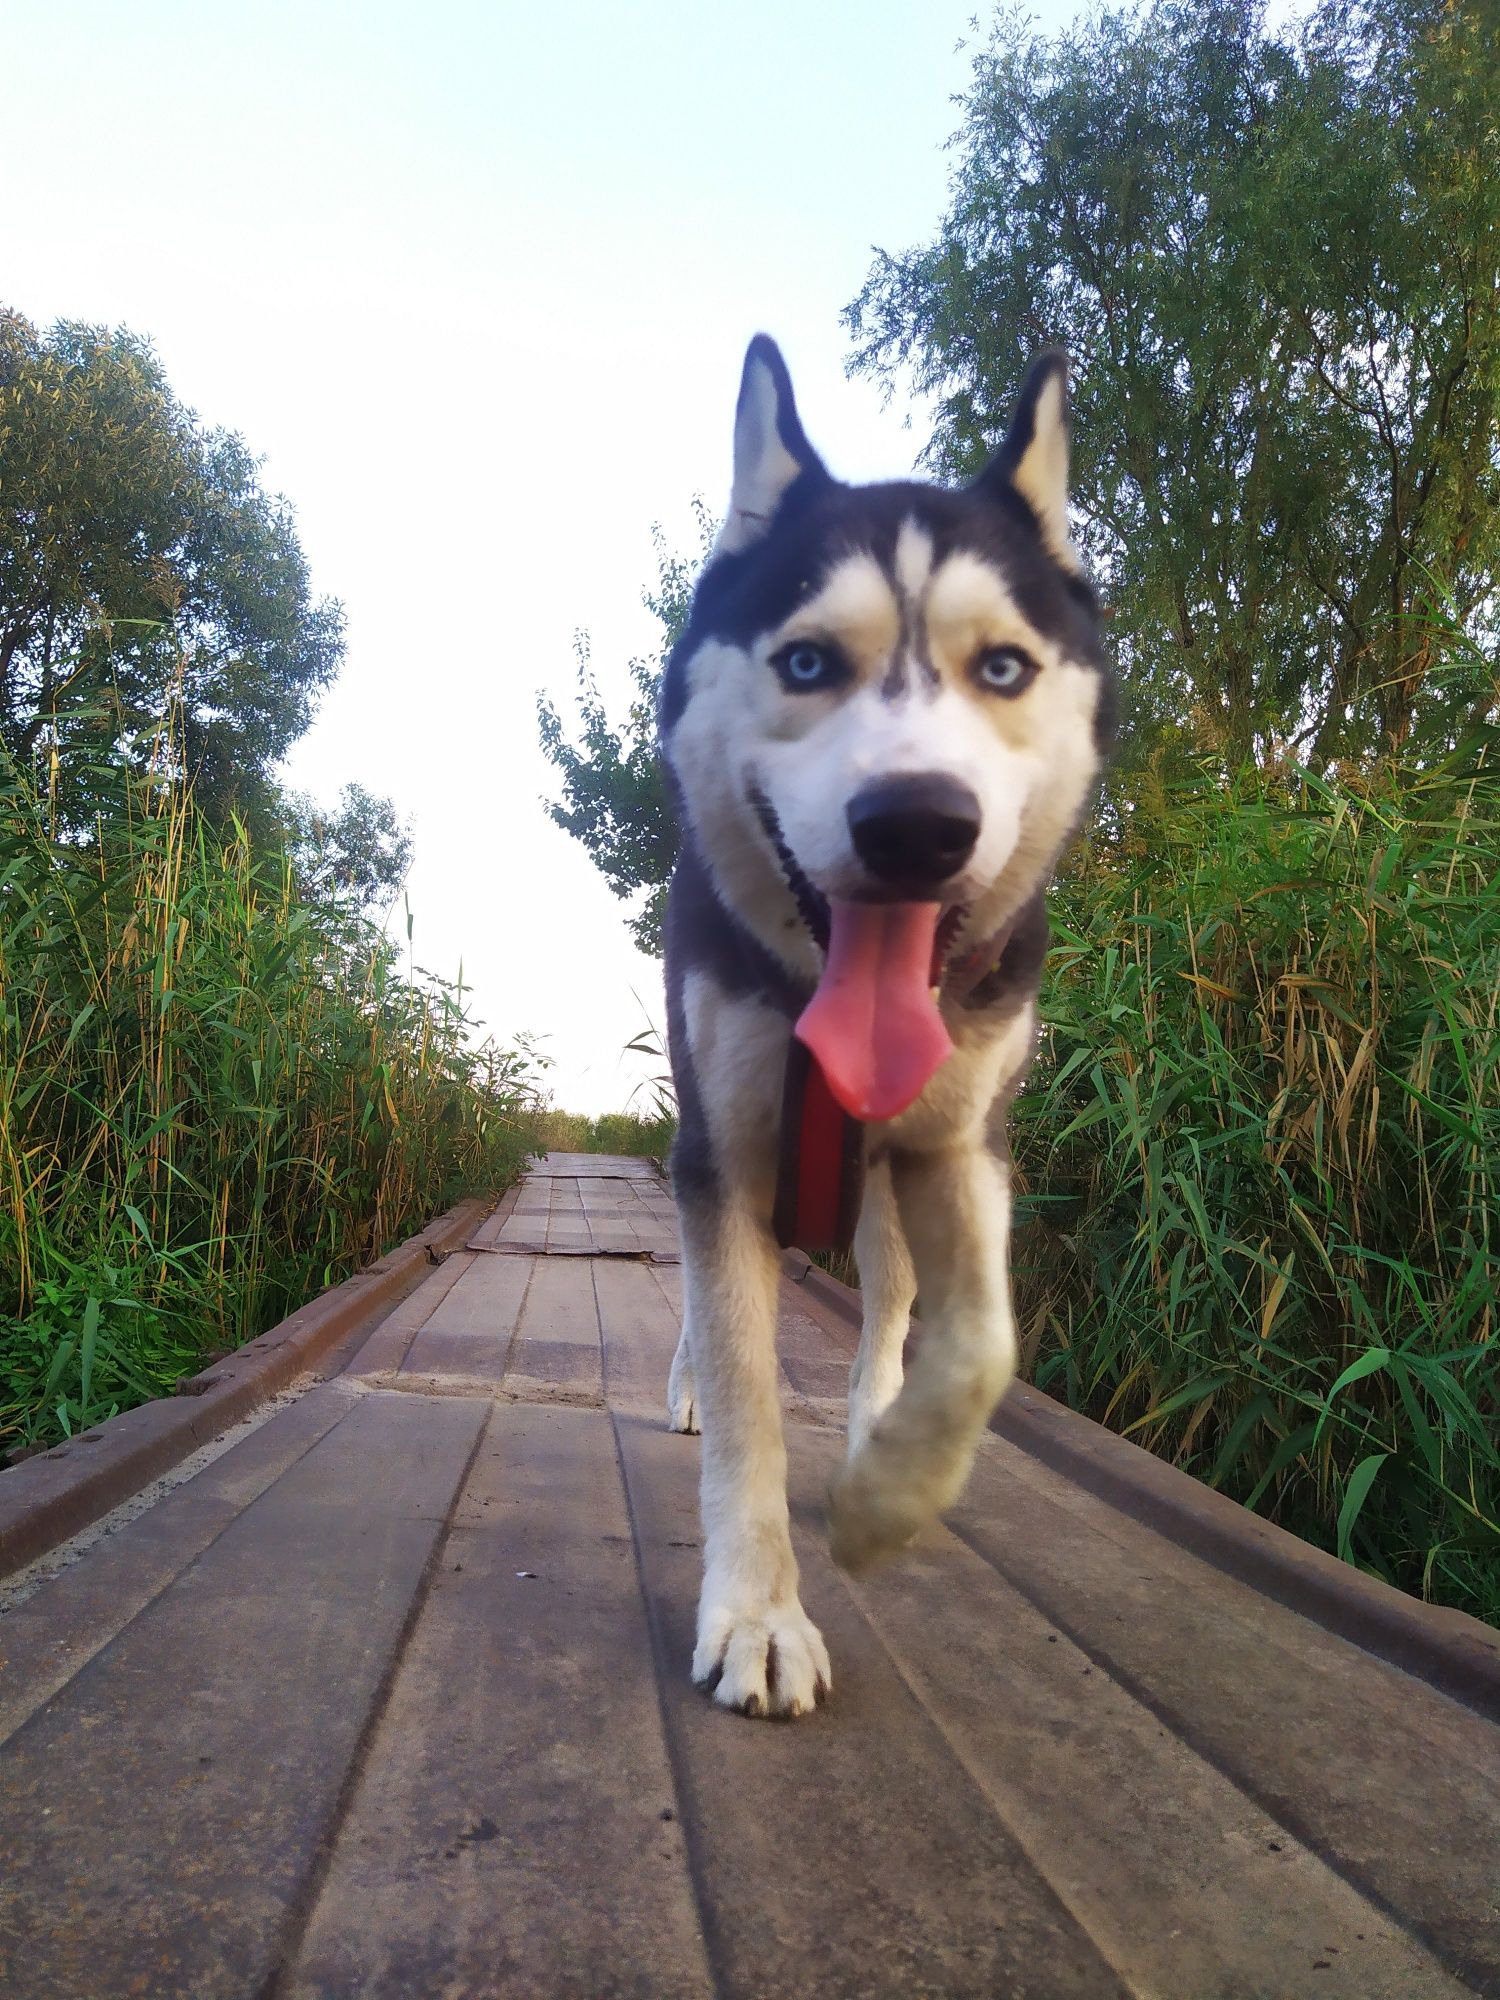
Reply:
x=870, y=1517
x=772, y=1663
x=682, y=1396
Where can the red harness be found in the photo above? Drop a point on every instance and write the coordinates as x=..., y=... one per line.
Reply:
x=820, y=1172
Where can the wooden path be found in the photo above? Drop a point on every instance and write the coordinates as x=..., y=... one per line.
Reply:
x=391, y=1699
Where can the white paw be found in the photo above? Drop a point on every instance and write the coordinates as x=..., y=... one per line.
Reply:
x=682, y=1396
x=871, y=1516
x=772, y=1662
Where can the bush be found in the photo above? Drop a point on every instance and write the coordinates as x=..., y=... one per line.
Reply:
x=612, y=1132
x=217, y=1096
x=1257, y=1159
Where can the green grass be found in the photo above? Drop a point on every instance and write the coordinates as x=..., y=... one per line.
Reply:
x=215, y=1098
x=1257, y=1160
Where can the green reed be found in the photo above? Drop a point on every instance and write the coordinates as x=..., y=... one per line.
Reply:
x=216, y=1097
x=1256, y=1161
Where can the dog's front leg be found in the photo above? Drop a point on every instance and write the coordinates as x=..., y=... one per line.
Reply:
x=682, y=1395
x=887, y=1288
x=756, y=1646
x=955, y=1209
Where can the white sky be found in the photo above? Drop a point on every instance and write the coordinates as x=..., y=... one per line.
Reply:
x=476, y=279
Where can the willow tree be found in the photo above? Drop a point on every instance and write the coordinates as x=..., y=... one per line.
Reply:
x=1275, y=258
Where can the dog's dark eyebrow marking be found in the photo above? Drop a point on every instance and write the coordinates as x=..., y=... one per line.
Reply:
x=921, y=651
x=894, y=684
x=911, y=643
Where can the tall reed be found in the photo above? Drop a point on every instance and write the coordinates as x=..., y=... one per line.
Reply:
x=216, y=1097
x=1257, y=1159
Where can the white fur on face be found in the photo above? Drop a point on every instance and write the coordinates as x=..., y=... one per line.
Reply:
x=1029, y=760
x=913, y=564
x=810, y=780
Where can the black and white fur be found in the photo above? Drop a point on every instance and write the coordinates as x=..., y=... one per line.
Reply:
x=916, y=592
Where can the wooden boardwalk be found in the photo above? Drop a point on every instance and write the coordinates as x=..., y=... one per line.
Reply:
x=391, y=1699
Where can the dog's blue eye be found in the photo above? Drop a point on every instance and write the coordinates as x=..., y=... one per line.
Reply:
x=803, y=665
x=1005, y=670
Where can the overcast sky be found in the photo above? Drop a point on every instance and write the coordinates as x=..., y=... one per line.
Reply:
x=477, y=281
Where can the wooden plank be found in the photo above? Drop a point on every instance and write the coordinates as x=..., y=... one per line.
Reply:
x=1319, y=1734
x=566, y=1204
x=849, y=1854
x=51, y=1636
x=1190, y=1886
x=515, y=1828
x=554, y=1371
x=640, y=1332
x=159, y=1815
x=587, y=1248
x=813, y=1365
x=387, y=1346
x=1393, y=1782
x=615, y=1232
x=560, y=1304
x=556, y=1353
x=596, y=1166
x=669, y=1284
x=465, y=1340
x=495, y=1221
x=529, y=1230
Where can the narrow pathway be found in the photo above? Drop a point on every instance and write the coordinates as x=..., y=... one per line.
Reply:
x=391, y=1699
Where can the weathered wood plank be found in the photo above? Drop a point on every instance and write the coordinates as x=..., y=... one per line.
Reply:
x=465, y=1340
x=849, y=1854
x=1319, y=1734
x=596, y=1166
x=640, y=1331
x=204, y=1751
x=52, y=1636
x=556, y=1353
x=514, y=1830
x=1191, y=1887
x=1392, y=1781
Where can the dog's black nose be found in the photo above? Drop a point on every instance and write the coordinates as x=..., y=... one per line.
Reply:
x=914, y=831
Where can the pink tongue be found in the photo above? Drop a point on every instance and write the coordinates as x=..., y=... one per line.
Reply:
x=873, y=1023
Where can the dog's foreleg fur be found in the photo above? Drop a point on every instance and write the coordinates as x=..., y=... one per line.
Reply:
x=955, y=1208
x=888, y=1286
x=753, y=1634
x=682, y=1395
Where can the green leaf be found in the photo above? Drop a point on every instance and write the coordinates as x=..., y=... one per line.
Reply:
x=1356, y=1492
x=1369, y=1363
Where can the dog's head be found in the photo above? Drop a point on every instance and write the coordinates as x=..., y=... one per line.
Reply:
x=889, y=694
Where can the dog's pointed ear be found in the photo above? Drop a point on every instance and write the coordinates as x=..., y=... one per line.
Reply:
x=1034, y=457
x=770, y=446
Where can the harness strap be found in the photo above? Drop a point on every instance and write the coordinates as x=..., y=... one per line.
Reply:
x=821, y=1170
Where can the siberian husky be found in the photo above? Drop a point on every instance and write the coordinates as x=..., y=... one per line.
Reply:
x=881, y=725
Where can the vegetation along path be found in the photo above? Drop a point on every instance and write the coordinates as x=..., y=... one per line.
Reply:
x=391, y=1698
